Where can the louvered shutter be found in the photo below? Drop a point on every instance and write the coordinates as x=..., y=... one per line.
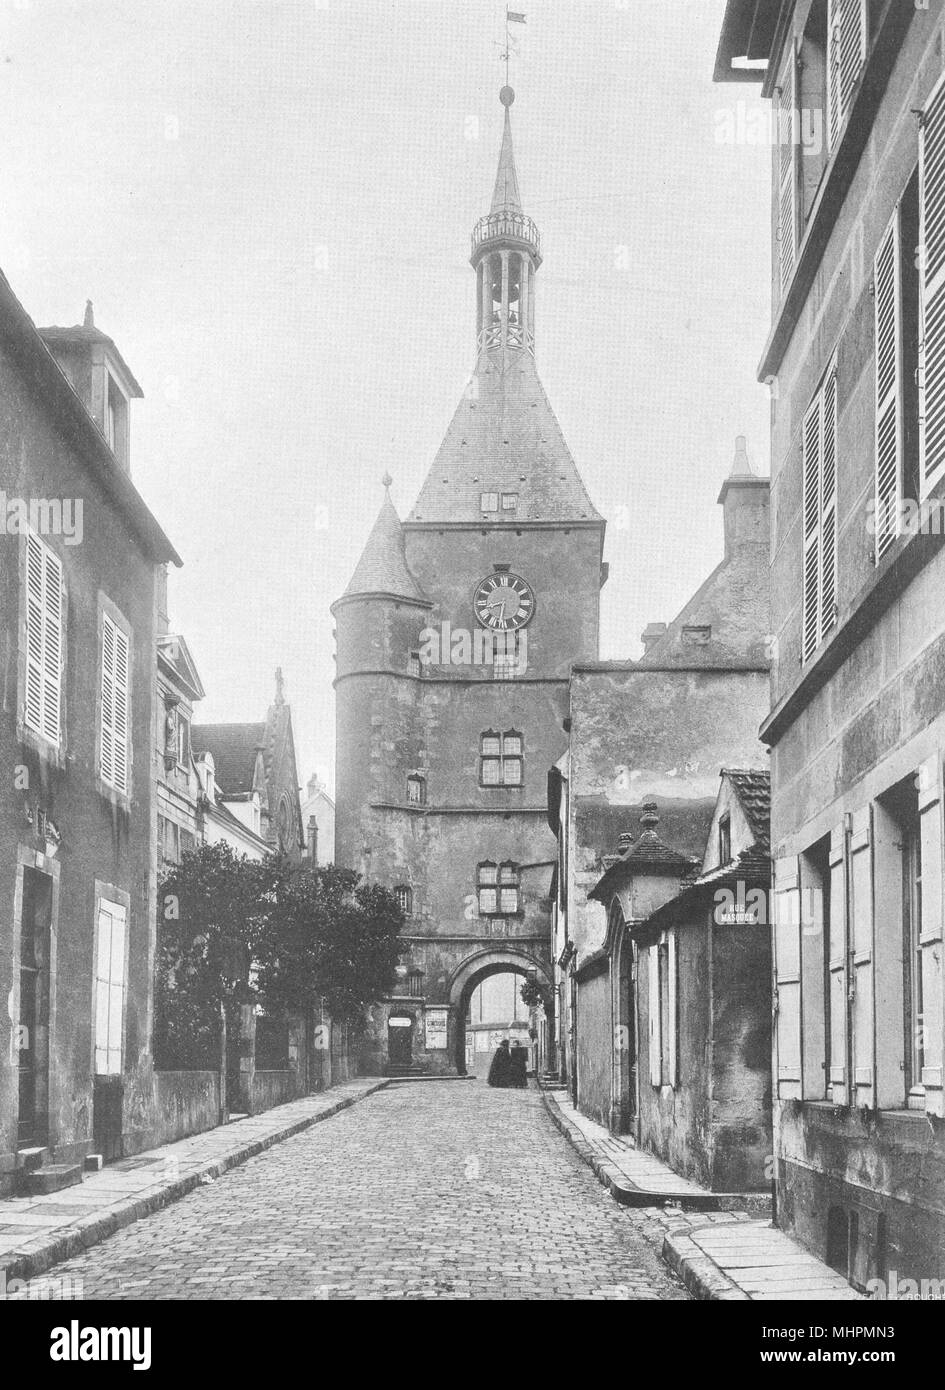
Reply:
x=828, y=506
x=44, y=610
x=932, y=237
x=786, y=118
x=787, y=979
x=837, y=968
x=812, y=450
x=861, y=956
x=115, y=675
x=653, y=964
x=932, y=1021
x=887, y=304
x=673, y=1016
x=847, y=34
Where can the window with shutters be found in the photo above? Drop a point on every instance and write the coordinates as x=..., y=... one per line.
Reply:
x=786, y=118
x=45, y=609
x=110, y=968
x=847, y=40
x=896, y=343
x=932, y=269
x=663, y=1010
x=819, y=449
x=114, y=739
x=501, y=761
x=787, y=979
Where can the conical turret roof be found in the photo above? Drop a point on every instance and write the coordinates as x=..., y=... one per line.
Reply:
x=382, y=568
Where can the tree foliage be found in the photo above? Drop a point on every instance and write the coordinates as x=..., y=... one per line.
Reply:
x=232, y=930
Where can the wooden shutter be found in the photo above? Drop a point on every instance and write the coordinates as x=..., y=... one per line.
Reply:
x=673, y=1011
x=932, y=1020
x=44, y=610
x=787, y=979
x=847, y=35
x=785, y=126
x=837, y=969
x=812, y=449
x=861, y=957
x=887, y=305
x=656, y=1042
x=115, y=683
x=828, y=506
x=932, y=241
x=110, y=972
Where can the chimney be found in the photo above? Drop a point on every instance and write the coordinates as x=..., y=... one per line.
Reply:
x=744, y=500
x=651, y=634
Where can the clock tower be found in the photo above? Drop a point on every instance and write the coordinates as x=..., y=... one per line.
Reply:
x=455, y=638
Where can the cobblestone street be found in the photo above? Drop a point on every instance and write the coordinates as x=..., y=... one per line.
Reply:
x=420, y=1191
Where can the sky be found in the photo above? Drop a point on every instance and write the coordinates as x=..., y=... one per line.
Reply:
x=269, y=203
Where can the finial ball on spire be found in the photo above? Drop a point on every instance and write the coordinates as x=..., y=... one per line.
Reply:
x=386, y=480
x=507, y=96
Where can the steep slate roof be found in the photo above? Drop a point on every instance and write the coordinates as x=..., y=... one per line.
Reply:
x=382, y=568
x=234, y=748
x=754, y=792
x=506, y=439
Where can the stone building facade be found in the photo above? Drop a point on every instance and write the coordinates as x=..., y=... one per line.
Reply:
x=657, y=729
x=79, y=726
x=455, y=638
x=856, y=354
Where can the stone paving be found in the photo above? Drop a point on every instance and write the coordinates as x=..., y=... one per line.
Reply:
x=435, y=1191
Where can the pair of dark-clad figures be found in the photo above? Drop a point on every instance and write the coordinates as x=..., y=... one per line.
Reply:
x=509, y=1065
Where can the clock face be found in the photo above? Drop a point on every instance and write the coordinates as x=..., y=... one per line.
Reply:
x=503, y=602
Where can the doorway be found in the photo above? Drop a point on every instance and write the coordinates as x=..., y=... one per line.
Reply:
x=33, y=1029
x=400, y=1040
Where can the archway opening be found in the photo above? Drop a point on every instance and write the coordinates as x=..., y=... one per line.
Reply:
x=495, y=1011
x=483, y=1013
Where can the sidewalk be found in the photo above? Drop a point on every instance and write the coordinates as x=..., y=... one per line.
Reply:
x=38, y=1232
x=634, y=1177
x=723, y=1254
x=750, y=1260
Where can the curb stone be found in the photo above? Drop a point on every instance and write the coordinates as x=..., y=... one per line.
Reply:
x=693, y=1268
x=36, y=1256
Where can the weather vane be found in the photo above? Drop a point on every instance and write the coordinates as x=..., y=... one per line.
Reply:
x=511, y=17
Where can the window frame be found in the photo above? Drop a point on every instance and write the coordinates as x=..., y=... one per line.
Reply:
x=820, y=424
x=501, y=759
x=50, y=639
x=108, y=1031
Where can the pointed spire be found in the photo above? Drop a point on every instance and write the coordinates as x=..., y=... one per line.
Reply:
x=382, y=568
x=89, y=320
x=506, y=196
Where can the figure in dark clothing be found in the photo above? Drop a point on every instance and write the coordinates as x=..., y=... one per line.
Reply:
x=499, y=1071
x=518, y=1066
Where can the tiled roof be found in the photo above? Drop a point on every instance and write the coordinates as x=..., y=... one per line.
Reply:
x=234, y=748
x=754, y=792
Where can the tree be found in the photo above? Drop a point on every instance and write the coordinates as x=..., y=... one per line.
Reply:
x=330, y=937
x=213, y=911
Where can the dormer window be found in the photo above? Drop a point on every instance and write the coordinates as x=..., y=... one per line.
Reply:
x=116, y=419
x=509, y=501
x=725, y=839
x=489, y=501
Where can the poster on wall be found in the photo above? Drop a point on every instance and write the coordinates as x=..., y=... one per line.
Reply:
x=435, y=1027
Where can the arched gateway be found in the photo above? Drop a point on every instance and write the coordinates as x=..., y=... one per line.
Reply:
x=478, y=967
